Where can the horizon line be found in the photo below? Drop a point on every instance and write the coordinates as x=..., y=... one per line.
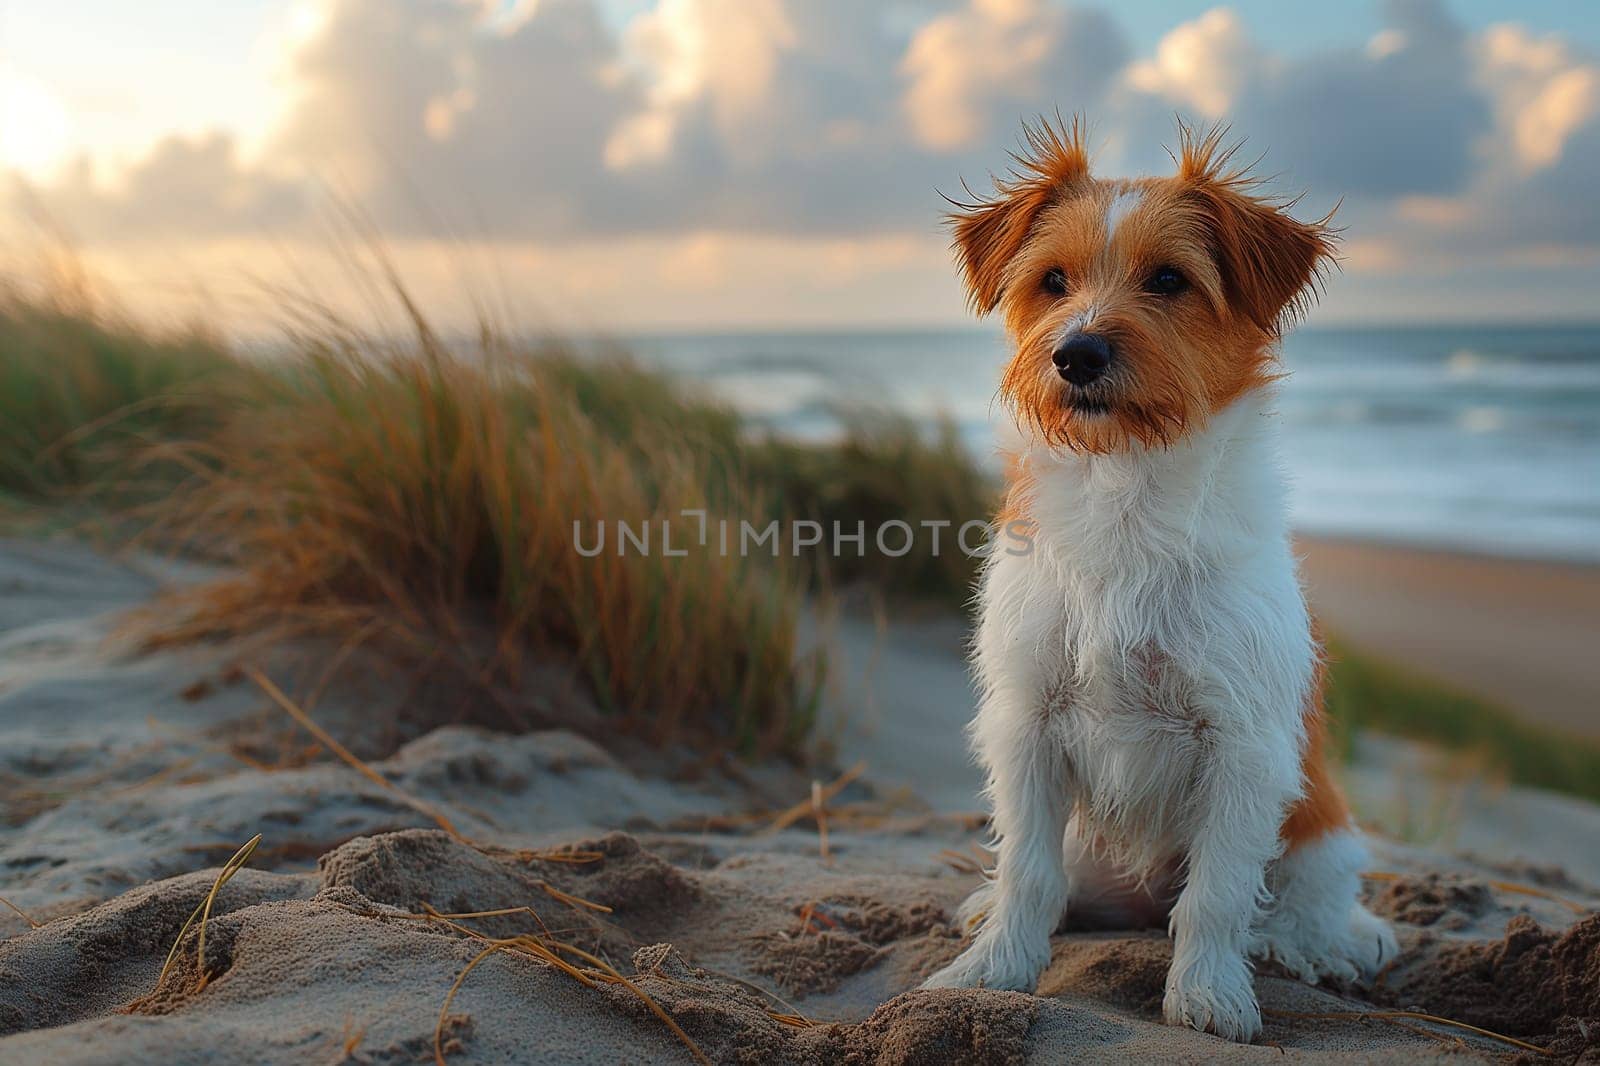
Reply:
x=712, y=330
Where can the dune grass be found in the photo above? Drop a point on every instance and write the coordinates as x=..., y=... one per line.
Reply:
x=429, y=496
x=881, y=467
x=81, y=392
x=885, y=468
x=1367, y=693
x=406, y=489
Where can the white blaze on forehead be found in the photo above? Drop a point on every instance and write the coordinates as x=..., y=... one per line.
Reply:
x=1079, y=322
x=1121, y=205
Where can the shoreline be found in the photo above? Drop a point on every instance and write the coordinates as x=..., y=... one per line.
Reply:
x=1519, y=632
x=903, y=694
x=1463, y=548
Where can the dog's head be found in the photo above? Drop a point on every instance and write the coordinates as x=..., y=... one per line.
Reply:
x=1138, y=308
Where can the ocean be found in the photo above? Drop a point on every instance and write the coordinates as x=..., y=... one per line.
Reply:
x=1479, y=438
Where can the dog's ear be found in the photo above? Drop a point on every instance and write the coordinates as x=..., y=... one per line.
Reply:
x=989, y=233
x=1270, y=262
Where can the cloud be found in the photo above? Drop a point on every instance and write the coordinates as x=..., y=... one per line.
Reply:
x=1399, y=117
x=765, y=115
x=434, y=100
x=975, y=69
x=1528, y=199
x=194, y=187
x=1542, y=91
x=420, y=112
x=1201, y=66
x=836, y=119
x=713, y=63
x=1443, y=145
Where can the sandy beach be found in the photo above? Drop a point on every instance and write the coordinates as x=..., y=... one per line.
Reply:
x=128, y=778
x=1521, y=633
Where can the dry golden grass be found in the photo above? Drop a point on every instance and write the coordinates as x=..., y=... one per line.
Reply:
x=433, y=813
x=428, y=500
x=814, y=804
x=589, y=970
x=20, y=913
x=544, y=947
x=1400, y=1017
x=202, y=913
x=550, y=951
x=344, y=754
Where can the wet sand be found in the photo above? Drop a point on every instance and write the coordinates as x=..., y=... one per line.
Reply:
x=1525, y=634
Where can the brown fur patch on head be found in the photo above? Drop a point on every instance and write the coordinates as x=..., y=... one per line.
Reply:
x=989, y=233
x=1272, y=264
x=1247, y=269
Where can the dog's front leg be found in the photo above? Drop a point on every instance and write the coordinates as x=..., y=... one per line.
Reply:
x=1024, y=900
x=1243, y=796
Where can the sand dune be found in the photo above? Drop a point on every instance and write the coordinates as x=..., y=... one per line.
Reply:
x=122, y=789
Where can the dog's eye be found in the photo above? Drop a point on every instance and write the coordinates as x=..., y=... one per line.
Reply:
x=1055, y=282
x=1166, y=281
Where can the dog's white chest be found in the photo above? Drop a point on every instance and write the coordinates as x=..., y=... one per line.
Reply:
x=1158, y=607
x=1136, y=742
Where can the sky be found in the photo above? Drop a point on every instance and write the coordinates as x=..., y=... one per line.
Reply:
x=633, y=165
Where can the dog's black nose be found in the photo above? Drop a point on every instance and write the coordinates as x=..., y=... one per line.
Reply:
x=1082, y=357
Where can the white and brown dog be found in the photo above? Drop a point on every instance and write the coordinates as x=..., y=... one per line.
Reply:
x=1150, y=715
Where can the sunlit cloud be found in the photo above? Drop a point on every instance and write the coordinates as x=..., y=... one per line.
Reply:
x=1543, y=92
x=982, y=65
x=1201, y=65
x=722, y=55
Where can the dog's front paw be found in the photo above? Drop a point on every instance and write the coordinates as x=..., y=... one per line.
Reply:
x=995, y=962
x=1353, y=949
x=1214, y=993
